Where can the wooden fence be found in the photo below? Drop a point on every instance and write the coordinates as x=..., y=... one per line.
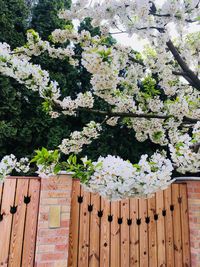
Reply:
x=135, y=233
x=19, y=200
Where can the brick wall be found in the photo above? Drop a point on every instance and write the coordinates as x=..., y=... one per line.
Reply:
x=52, y=243
x=194, y=221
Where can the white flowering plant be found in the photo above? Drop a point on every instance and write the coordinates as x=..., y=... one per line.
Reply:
x=9, y=163
x=111, y=176
x=155, y=92
x=116, y=179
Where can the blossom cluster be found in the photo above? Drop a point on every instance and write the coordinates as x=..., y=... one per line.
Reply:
x=9, y=163
x=133, y=14
x=32, y=76
x=116, y=179
x=182, y=150
x=45, y=171
x=77, y=139
x=69, y=106
x=36, y=79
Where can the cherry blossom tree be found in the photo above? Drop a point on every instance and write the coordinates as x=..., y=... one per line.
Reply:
x=156, y=93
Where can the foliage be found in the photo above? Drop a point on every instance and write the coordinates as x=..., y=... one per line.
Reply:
x=24, y=125
x=82, y=170
x=13, y=21
x=45, y=16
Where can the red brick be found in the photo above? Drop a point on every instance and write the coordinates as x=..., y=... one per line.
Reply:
x=61, y=247
x=55, y=194
x=65, y=223
x=46, y=248
x=45, y=264
x=53, y=232
x=195, y=196
x=52, y=240
x=43, y=216
x=52, y=256
x=197, y=189
x=49, y=201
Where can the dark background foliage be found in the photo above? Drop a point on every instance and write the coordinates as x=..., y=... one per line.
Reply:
x=24, y=126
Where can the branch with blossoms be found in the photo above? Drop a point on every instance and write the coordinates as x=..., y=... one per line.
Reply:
x=188, y=74
x=143, y=91
x=108, y=114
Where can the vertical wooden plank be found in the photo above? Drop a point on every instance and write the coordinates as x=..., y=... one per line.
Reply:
x=31, y=224
x=84, y=230
x=115, y=235
x=17, y=234
x=1, y=192
x=134, y=234
x=177, y=226
x=185, y=226
x=6, y=223
x=94, y=260
x=152, y=233
x=105, y=234
x=160, y=229
x=169, y=239
x=74, y=225
x=125, y=243
x=143, y=234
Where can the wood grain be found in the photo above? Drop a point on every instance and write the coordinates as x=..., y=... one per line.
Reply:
x=134, y=234
x=177, y=227
x=31, y=224
x=169, y=238
x=152, y=233
x=94, y=257
x=125, y=243
x=1, y=192
x=17, y=234
x=185, y=226
x=74, y=225
x=84, y=231
x=105, y=234
x=6, y=224
x=143, y=234
x=160, y=224
x=115, y=235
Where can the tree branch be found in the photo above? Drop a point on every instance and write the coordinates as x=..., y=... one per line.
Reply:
x=124, y=114
x=190, y=76
x=109, y=114
x=195, y=147
x=135, y=115
x=184, y=75
x=160, y=29
x=168, y=16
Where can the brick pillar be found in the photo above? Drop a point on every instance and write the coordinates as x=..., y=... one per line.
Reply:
x=52, y=242
x=194, y=220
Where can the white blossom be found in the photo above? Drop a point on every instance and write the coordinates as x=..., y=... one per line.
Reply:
x=9, y=163
x=117, y=179
x=77, y=140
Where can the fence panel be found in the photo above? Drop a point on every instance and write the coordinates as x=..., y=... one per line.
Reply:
x=130, y=233
x=19, y=199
